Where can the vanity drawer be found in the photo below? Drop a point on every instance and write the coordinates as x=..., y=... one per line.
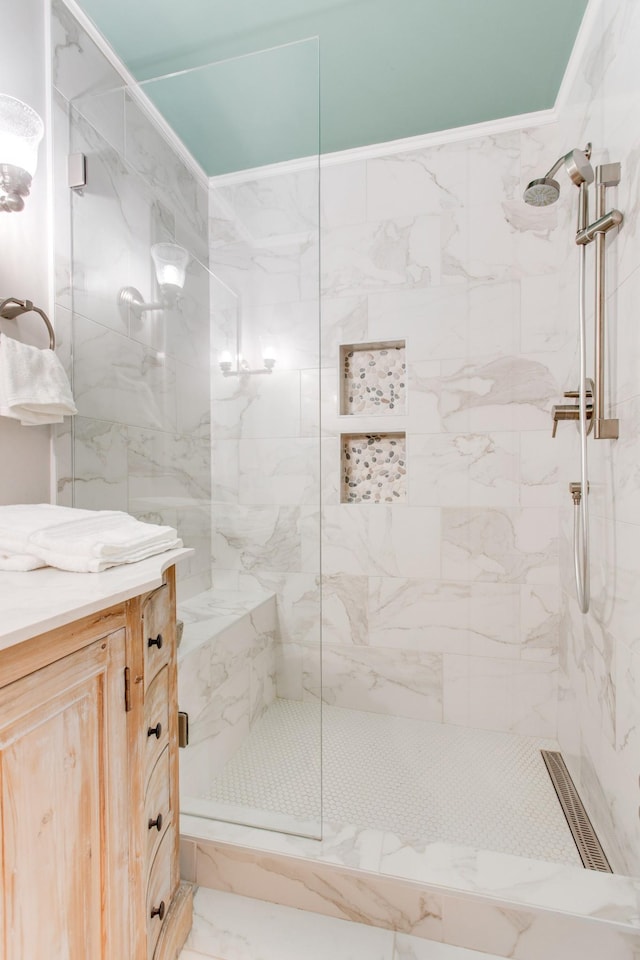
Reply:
x=156, y=721
x=157, y=631
x=159, y=891
x=157, y=806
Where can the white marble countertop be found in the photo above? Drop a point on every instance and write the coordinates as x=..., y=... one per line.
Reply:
x=40, y=600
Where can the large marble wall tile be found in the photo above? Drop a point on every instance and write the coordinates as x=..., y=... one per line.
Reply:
x=539, y=471
x=79, y=68
x=404, y=252
x=514, y=546
x=271, y=326
x=225, y=472
x=60, y=133
x=273, y=272
x=320, y=888
x=510, y=695
x=167, y=468
x=505, y=393
x=494, y=319
x=120, y=380
x=320, y=402
x=100, y=465
x=284, y=472
x=103, y=261
x=540, y=621
x=343, y=195
x=151, y=156
x=270, y=207
x=417, y=182
x=345, y=610
x=257, y=407
x=297, y=602
x=186, y=324
x=424, y=405
x=494, y=167
x=434, y=320
x=193, y=403
x=343, y=320
x=455, y=470
x=542, y=328
x=409, y=684
x=418, y=614
x=260, y=539
x=381, y=540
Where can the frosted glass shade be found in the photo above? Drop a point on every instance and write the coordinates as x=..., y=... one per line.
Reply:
x=170, y=262
x=21, y=131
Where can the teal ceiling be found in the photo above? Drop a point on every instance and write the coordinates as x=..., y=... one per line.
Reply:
x=384, y=69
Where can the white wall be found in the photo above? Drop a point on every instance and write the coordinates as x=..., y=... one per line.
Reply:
x=25, y=261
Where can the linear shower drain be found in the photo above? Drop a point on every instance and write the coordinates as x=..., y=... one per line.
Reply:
x=586, y=840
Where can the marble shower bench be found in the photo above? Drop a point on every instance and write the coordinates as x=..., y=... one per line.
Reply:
x=226, y=681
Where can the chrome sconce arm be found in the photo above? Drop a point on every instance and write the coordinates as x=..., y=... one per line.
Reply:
x=244, y=370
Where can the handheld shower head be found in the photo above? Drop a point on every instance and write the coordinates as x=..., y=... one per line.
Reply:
x=543, y=192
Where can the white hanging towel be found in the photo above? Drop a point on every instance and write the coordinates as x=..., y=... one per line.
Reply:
x=34, y=388
x=84, y=541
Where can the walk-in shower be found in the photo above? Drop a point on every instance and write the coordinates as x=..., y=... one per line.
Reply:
x=589, y=411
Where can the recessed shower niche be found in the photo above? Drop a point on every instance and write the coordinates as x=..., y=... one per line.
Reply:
x=374, y=468
x=373, y=464
x=373, y=379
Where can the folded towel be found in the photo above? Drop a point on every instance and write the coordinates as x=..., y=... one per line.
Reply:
x=34, y=388
x=78, y=540
x=19, y=561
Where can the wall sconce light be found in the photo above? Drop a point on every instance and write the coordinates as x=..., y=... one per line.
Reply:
x=21, y=131
x=170, y=262
x=242, y=367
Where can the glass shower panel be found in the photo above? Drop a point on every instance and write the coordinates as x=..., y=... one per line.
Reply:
x=250, y=659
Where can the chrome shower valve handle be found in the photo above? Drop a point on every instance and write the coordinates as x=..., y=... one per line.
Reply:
x=571, y=411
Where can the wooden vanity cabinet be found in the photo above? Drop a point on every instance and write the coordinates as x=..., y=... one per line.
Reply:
x=89, y=789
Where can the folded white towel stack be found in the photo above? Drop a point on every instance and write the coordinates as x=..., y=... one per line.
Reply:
x=34, y=388
x=84, y=541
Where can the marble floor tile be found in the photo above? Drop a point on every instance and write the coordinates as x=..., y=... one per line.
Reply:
x=229, y=927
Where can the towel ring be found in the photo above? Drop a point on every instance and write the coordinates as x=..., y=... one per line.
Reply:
x=12, y=308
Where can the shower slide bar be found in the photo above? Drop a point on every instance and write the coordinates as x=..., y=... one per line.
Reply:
x=607, y=175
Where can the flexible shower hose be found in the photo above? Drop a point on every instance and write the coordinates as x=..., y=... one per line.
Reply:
x=581, y=508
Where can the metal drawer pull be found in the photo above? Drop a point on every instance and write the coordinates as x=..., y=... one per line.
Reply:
x=156, y=823
x=155, y=731
x=158, y=911
x=155, y=642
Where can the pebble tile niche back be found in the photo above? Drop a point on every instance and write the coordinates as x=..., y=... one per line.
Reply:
x=373, y=465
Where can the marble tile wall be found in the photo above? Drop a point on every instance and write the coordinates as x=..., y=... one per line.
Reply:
x=141, y=440
x=444, y=605
x=599, y=700
x=226, y=681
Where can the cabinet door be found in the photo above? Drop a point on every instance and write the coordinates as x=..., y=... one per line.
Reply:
x=63, y=809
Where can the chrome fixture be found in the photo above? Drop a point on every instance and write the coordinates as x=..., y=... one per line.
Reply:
x=11, y=308
x=21, y=131
x=589, y=412
x=170, y=262
x=546, y=190
x=571, y=411
x=242, y=367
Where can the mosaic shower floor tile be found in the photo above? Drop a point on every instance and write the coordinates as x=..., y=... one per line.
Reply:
x=423, y=781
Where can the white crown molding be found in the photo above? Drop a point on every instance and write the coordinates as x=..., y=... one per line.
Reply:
x=374, y=151
x=136, y=91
